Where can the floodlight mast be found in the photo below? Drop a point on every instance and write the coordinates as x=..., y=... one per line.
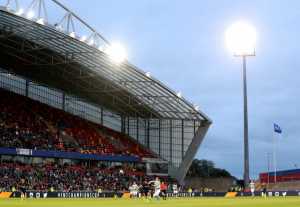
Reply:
x=246, y=138
x=241, y=39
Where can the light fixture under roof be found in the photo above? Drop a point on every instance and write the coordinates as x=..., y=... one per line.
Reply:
x=196, y=107
x=101, y=48
x=116, y=52
x=83, y=38
x=19, y=12
x=59, y=27
x=72, y=34
x=91, y=41
x=41, y=21
x=30, y=14
x=148, y=74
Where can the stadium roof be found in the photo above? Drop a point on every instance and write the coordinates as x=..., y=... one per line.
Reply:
x=50, y=56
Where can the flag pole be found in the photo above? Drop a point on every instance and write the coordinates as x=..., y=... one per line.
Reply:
x=274, y=158
x=278, y=130
x=268, y=161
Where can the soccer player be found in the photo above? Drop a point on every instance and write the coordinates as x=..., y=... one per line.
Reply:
x=264, y=190
x=175, y=190
x=190, y=191
x=156, y=184
x=134, y=189
x=145, y=190
x=163, y=189
x=252, y=188
x=22, y=187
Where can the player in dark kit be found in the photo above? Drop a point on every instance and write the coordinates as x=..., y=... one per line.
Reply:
x=145, y=190
x=163, y=190
x=22, y=188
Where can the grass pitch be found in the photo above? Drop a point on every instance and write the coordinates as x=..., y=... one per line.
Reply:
x=178, y=202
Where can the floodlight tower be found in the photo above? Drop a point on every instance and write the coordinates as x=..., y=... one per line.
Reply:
x=241, y=39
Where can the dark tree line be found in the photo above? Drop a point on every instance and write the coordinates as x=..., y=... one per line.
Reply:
x=206, y=169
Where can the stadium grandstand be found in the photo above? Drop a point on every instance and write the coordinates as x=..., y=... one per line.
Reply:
x=282, y=180
x=74, y=119
x=280, y=176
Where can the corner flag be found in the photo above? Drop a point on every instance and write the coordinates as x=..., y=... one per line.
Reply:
x=277, y=129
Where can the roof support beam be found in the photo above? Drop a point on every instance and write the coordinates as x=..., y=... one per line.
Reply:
x=180, y=173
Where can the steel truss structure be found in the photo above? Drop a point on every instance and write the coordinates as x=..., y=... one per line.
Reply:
x=53, y=54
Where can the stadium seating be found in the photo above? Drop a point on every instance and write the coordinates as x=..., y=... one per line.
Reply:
x=285, y=176
x=210, y=184
x=66, y=178
x=25, y=123
x=283, y=186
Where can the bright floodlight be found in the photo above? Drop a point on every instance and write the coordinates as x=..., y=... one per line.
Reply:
x=179, y=95
x=30, y=14
x=101, y=48
x=116, y=52
x=196, y=107
x=41, y=21
x=72, y=34
x=20, y=12
x=59, y=27
x=83, y=38
x=241, y=39
x=91, y=42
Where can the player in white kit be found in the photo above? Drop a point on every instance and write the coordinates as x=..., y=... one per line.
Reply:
x=175, y=190
x=134, y=189
x=156, y=184
x=252, y=188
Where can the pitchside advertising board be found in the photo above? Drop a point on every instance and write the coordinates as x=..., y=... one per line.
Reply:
x=272, y=193
x=42, y=195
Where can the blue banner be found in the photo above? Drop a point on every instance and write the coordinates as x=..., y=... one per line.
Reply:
x=67, y=155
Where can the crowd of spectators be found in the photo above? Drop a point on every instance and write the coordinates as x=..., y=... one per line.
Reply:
x=25, y=123
x=20, y=127
x=67, y=177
